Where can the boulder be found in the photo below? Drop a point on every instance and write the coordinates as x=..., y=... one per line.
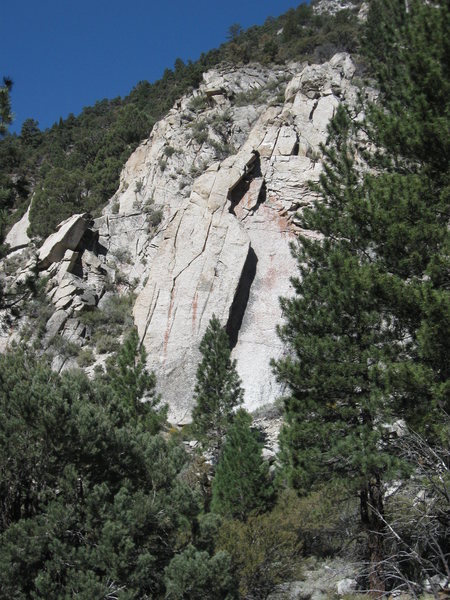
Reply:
x=66, y=237
x=17, y=236
x=346, y=586
x=54, y=325
x=67, y=264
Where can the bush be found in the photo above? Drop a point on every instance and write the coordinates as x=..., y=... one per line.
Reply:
x=198, y=103
x=64, y=347
x=195, y=575
x=265, y=550
x=104, y=343
x=200, y=131
x=85, y=357
x=107, y=324
x=169, y=151
x=325, y=517
x=156, y=217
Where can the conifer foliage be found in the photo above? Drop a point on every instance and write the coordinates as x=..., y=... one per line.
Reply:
x=218, y=389
x=90, y=502
x=133, y=386
x=241, y=484
x=368, y=328
x=5, y=105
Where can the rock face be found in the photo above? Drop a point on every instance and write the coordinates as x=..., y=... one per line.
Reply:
x=225, y=250
x=202, y=224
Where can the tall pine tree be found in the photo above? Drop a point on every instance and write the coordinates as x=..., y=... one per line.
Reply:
x=368, y=328
x=339, y=341
x=218, y=389
x=241, y=484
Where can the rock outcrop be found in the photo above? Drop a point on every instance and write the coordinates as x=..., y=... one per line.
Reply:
x=202, y=224
x=226, y=248
x=66, y=237
x=17, y=237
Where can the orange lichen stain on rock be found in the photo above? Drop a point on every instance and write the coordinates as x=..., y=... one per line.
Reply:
x=167, y=332
x=278, y=215
x=272, y=275
x=282, y=222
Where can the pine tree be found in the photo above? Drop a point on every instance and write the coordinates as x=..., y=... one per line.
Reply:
x=241, y=484
x=337, y=332
x=5, y=105
x=218, y=389
x=91, y=504
x=409, y=51
x=368, y=328
x=133, y=387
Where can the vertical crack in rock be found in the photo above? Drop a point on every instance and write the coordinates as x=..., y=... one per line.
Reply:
x=311, y=114
x=239, y=305
x=152, y=308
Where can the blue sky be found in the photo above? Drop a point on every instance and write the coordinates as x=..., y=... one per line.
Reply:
x=63, y=55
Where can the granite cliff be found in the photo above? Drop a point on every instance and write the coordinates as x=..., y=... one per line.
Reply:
x=201, y=224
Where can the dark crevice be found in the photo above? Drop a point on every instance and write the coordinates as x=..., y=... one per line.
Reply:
x=311, y=114
x=241, y=297
x=256, y=166
x=77, y=268
x=101, y=250
x=238, y=192
x=262, y=196
x=296, y=149
x=89, y=241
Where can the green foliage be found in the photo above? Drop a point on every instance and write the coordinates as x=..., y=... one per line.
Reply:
x=218, y=389
x=5, y=105
x=30, y=133
x=132, y=387
x=195, y=575
x=85, y=357
x=198, y=103
x=241, y=483
x=91, y=502
x=410, y=200
x=265, y=550
x=369, y=326
x=200, y=131
x=156, y=216
x=169, y=151
x=327, y=518
x=106, y=324
x=339, y=340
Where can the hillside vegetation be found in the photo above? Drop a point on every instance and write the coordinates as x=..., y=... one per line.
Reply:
x=100, y=497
